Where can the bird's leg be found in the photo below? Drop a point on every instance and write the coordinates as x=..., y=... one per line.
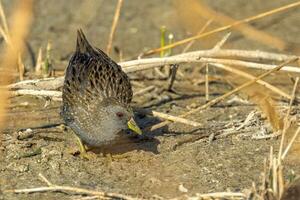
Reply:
x=83, y=149
x=81, y=146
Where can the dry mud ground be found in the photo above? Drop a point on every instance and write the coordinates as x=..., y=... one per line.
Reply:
x=165, y=159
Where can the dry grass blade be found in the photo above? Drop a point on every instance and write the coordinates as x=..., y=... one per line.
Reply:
x=21, y=20
x=286, y=119
x=247, y=30
x=76, y=190
x=7, y=38
x=169, y=117
x=114, y=26
x=39, y=62
x=206, y=83
x=144, y=90
x=46, y=93
x=284, y=154
x=218, y=99
x=222, y=195
x=246, y=20
x=145, y=64
x=3, y=19
x=238, y=54
x=251, y=77
x=190, y=44
x=48, y=83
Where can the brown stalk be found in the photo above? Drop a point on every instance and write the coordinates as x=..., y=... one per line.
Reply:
x=247, y=30
x=286, y=118
x=190, y=44
x=251, y=77
x=114, y=26
x=57, y=188
x=246, y=20
x=7, y=38
x=220, y=98
x=21, y=20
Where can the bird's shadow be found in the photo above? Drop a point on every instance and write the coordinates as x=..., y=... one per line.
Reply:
x=129, y=141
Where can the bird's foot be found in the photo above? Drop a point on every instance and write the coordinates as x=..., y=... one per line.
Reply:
x=87, y=155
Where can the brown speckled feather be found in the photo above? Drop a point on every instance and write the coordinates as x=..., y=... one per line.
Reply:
x=91, y=74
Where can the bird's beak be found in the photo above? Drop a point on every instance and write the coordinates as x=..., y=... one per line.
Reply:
x=134, y=127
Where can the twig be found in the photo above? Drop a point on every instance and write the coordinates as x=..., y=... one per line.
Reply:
x=246, y=20
x=114, y=26
x=4, y=30
x=238, y=54
x=286, y=118
x=58, y=188
x=249, y=76
x=3, y=19
x=206, y=83
x=7, y=37
x=45, y=180
x=220, y=98
x=221, y=42
x=143, y=91
x=215, y=48
x=45, y=83
x=169, y=117
x=21, y=20
x=49, y=93
x=145, y=64
x=189, y=45
x=53, y=83
x=290, y=144
x=221, y=195
x=39, y=62
x=172, y=77
x=247, y=30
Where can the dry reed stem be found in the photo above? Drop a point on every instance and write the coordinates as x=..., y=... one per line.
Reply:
x=47, y=83
x=206, y=83
x=238, y=54
x=170, y=117
x=220, y=98
x=58, y=188
x=246, y=20
x=114, y=26
x=251, y=77
x=149, y=63
x=144, y=90
x=280, y=179
x=44, y=83
x=48, y=93
x=7, y=38
x=187, y=47
x=274, y=177
x=21, y=20
x=245, y=29
x=220, y=195
x=190, y=44
x=4, y=30
x=284, y=154
x=286, y=118
x=3, y=19
x=39, y=62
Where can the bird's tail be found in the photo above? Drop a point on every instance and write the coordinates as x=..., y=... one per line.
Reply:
x=83, y=45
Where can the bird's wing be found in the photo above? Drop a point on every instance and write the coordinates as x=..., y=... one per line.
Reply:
x=90, y=79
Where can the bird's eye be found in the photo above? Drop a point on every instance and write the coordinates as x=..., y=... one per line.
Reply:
x=119, y=114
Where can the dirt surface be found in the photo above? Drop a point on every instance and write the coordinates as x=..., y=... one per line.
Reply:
x=164, y=162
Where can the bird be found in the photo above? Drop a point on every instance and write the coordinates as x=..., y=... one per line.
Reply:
x=96, y=97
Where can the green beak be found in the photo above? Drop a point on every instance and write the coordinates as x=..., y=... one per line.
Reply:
x=134, y=127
